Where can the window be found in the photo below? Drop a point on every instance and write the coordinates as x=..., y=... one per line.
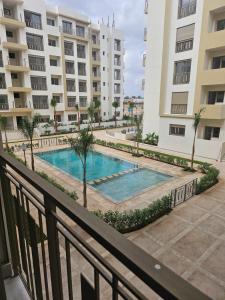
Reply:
x=103, y=53
x=179, y=103
x=72, y=117
x=184, y=38
x=178, y=130
x=70, y=85
x=117, y=88
x=53, y=62
x=81, y=53
x=70, y=67
x=71, y=101
x=14, y=76
x=117, y=45
x=50, y=22
x=9, y=34
x=82, y=69
x=4, y=102
x=68, y=48
x=57, y=98
x=67, y=27
x=1, y=60
x=103, y=37
x=38, y=83
x=80, y=31
x=40, y=102
x=117, y=99
x=52, y=42
x=58, y=118
x=55, y=81
x=218, y=62
x=83, y=101
x=35, y=42
x=220, y=25
x=211, y=132
x=8, y=12
x=103, y=68
x=117, y=60
x=82, y=86
x=16, y=95
x=103, y=83
x=43, y=119
x=117, y=74
x=215, y=97
x=94, y=39
x=32, y=20
x=12, y=55
x=182, y=71
x=186, y=8
x=36, y=63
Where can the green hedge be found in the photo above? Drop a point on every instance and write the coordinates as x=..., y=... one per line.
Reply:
x=208, y=180
x=166, y=158
x=133, y=220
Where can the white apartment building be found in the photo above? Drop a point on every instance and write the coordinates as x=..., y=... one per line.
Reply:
x=184, y=72
x=50, y=52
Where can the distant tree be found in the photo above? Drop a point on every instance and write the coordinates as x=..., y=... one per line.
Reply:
x=27, y=127
x=98, y=108
x=197, y=120
x=53, y=104
x=115, y=104
x=3, y=126
x=138, y=137
x=131, y=109
x=82, y=145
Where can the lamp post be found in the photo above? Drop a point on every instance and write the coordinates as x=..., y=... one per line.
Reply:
x=24, y=148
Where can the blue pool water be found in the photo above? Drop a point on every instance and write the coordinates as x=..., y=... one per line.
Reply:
x=98, y=165
x=128, y=185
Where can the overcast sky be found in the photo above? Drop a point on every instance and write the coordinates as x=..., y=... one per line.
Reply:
x=129, y=16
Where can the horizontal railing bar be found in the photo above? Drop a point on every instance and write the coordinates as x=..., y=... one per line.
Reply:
x=163, y=281
x=94, y=253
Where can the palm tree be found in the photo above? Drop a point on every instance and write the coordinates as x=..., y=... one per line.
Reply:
x=115, y=104
x=82, y=145
x=138, y=138
x=53, y=104
x=91, y=113
x=197, y=120
x=27, y=127
x=98, y=108
x=78, y=115
x=3, y=126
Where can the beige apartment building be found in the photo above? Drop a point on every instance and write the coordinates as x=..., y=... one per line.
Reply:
x=52, y=52
x=184, y=72
x=136, y=108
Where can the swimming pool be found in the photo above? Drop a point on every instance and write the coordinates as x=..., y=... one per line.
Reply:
x=116, y=179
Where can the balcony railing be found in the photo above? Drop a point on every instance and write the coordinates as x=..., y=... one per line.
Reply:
x=20, y=104
x=35, y=46
x=179, y=109
x=59, y=248
x=35, y=25
x=4, y=106
x=70, y=70
x=2, y=85
x=17, y=62
x=83, y=104
x=72, y=31
x=38, y=67
x=71, y=103
x=39, y=86
x=69, y=52
x=40, y=106
x=184, y=45
x=10, y=15
x=182, y=78
x=187, y=10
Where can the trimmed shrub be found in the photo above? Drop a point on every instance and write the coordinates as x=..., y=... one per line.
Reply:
x=208, y=180
x=132, y=220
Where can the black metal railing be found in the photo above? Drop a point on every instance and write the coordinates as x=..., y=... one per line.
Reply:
x=62, y=251
x=183, y=193
x=178, y=109
x=186, y=45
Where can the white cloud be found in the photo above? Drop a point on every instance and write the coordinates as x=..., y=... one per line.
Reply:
x=129, y=16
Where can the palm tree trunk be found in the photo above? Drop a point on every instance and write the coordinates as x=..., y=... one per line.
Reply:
x=99, y=118
x=115, y=118
x=55, y=121
x=6, y=141
x=32, y=154
x=85, y=186
x=193, y=150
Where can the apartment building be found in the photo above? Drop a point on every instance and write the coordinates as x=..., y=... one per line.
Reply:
x=184, y=72
x=50, y=52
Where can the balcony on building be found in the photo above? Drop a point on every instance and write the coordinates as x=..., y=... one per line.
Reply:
x=71, y=102
x=83, y=102
x=20, y=103
x=53, y=248
x=117, y=45
x=4, y=104
x=96, y=73
x=9, y=16
x=33, y=20
x=18, y=84
x=146, y=7
x=117, y=60
x=96, y=88
x=79, y=32
x=95, y=57
x=145, y=34
x=95, y=40
x=16, y=63
x=186, y=8
x=13, y=40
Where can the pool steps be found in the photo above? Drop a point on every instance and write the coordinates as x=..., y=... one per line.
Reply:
x=107, y=178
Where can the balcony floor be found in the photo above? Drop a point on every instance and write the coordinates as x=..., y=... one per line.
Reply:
x=15, y=289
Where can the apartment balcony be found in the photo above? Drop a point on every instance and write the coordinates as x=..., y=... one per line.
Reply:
x=215, y=40
x=71, y=103
x=96, y=76
x=95, y=44
x=12, y=21
x=14, y=46
x=40, y=105
x=59, y=248
x=145, y=34
x=97, y=91
x=213, y=77
x=179, y=109
x=96, y=61
x=19, y=89
x=4, y=106
x=214, y=111
x=71, y=33
x=16, y=65
x=21, y=106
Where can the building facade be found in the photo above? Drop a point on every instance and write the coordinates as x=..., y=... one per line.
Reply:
x=135, y=109
x=50, y=52
x=184, y=72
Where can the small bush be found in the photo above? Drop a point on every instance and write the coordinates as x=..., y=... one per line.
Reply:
x=208, y=180
x=129, y=221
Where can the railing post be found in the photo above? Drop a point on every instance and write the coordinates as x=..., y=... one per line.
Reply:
x=53, y=248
